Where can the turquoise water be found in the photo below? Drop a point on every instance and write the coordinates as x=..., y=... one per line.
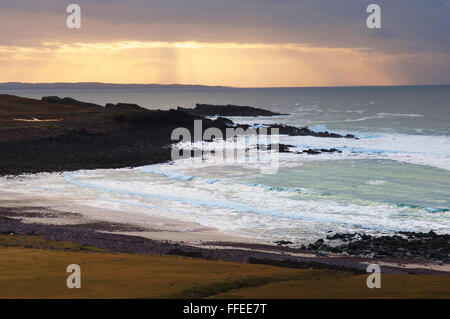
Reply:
x=359, y=181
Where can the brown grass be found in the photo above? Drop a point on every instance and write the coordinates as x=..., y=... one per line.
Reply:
x=349, y=287
x=17, y=114
x=40, y=272
x=12, y=107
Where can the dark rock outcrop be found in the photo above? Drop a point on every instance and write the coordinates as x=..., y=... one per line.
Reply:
x=283, y=242
x=281, y=148
x=227, y=110
x=124, y=107
x=305, y=131
x=316, y=152
x=68, y=101
x=410, y=245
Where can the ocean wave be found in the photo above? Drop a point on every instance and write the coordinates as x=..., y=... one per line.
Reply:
x=426, y=150
x=375, y=182
x=275, y=189
x=377, y=116
x=427, y=209
x=183, y=177
x=228, y=205
x=172, y=175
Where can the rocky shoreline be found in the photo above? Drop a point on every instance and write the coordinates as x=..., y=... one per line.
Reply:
x=91, y=136
x=102, y=235
x=412, y=246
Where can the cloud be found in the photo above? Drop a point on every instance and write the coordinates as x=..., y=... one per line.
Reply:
x=319, y=22
x=411, y=30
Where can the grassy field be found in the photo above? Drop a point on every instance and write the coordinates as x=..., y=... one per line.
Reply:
x=35, y=268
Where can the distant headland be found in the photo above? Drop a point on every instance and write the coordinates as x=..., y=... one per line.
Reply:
x=95, y=85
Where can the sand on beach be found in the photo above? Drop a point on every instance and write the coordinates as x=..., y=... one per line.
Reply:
x=33, y=207
x=65, y=210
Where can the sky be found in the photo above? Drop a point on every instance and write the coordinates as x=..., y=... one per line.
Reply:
x=241, y=43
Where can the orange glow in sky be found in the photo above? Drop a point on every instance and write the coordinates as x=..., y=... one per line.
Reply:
x=232, y=64
x=229, y=43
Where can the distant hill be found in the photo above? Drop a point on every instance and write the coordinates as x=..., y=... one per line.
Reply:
x=93, y=85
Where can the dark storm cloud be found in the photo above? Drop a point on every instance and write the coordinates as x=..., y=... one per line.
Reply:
x=406, y=23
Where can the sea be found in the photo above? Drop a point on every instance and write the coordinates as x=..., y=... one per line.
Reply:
x=394, y=177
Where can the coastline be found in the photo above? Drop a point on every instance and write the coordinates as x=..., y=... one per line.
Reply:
x=130, y=232
x=124, y=135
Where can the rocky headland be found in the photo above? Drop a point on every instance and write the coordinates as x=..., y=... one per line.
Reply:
x=59, y=134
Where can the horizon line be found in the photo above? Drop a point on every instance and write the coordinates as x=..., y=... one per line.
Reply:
x=209, y=86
